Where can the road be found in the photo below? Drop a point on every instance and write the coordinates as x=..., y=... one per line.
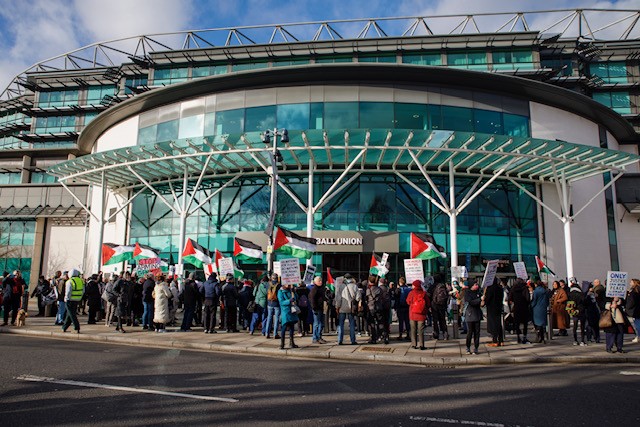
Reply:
x=249, y=390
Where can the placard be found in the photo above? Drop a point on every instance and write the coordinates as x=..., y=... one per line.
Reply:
x=290, y=269
x=149, y=265
x=225, y=266
x=617, y=282
x=459, y=271
x=308, y=274
x=413, y=270
x=521, y=270
x=276, y=268
x=490, y=273
x=383, y=260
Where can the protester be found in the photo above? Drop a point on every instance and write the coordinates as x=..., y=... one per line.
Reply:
x=245, y=298
x=439, y=303
x=418, y=304
x=110, y=298
x=289, y=317
x=402, y=308
x=520, y=300
x=493, y=301
x=273, y=309
x=539, y=307
x=189, y=297
x=473, y=316
x=632, y=307
x=302, y=293
x=41, y=290
x=211, y=293
x=260, y=308
x=74, y=291
x=347, y=301
x=174, y=301
x=148, y=302
x=592, y=312
x=559, y=309
x=230, y=298
x=59, y=282
x=575, y=308
x=161, y=296
x=317, y=298
x=93, y=297
x=12, y=294
x=121, y=289
x=615, y=333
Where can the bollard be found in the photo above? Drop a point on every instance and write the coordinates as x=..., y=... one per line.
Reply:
x=456, y=332
x=549, y=324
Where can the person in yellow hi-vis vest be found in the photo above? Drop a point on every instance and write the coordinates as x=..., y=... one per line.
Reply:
x=74, y=290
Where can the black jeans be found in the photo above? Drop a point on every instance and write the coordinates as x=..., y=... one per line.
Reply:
x=232, y=318
x=71, y=316
x=579, y=320
x=439, y=321
x=210, y=311
x=473, y=331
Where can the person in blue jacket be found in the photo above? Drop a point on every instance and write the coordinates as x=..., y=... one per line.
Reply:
x=539, y=308
x=289, y=318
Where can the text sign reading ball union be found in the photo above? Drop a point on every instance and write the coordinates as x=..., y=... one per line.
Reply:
x=339, y=241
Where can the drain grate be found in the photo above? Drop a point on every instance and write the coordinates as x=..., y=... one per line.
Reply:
x=377, y=349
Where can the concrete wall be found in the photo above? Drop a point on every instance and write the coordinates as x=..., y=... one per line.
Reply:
x=591, y=258
x=63, y=248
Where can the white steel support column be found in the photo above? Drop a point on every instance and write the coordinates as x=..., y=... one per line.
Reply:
x=567, y=219
x=310, y=209
x=101, y=220
x=453, y=219
x=183, y=219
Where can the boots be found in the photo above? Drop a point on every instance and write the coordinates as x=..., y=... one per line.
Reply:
x=282, y=342
x=291, y=343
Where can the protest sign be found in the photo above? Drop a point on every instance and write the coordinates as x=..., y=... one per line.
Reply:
x=290, y=271
x=617, y=282
x=521, y=270
x=490, y=273
x=225, y=265
x=309, y=273
x=149, y=265
x=413, y=270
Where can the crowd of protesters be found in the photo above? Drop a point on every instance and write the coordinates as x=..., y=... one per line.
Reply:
x=152, y=302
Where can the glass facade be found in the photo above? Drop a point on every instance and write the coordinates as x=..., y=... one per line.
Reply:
x=620, y=102
x=337, y=115
x=16, y=246
x=58, y=98
x=55, y=124
x=610, y=72
x=512, y=59
x=170, y=75
x=499, y=224
x=95, y=94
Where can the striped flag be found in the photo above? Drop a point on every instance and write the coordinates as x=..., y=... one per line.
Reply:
x=423, y=246
x=247, y=251
x=114, y=254
x=376, y=268
x=290, y=243
x=542, y=267
x=195, y=254
x=143, y=252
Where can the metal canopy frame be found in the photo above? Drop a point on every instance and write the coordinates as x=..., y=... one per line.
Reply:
x=348, y=154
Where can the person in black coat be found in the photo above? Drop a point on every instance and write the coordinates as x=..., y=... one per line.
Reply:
x=245, y=296
x=230, y=297
x=317, y=298
x=123, y=288
x=41, y=290
x=189, y=298
x=148, y=302
x=493, y=301
x=473, y=316
x=577, y=312
x=520, y=299
x=94, y=297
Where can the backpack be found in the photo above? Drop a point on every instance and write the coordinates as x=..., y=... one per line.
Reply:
x=404, y=293
x=419, y=305
x=383, y=301
x=303, y=302
x=440, y=296
x=272, y=293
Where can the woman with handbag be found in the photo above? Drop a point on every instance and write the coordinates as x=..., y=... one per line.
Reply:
x=615, y=325
x=289, y=311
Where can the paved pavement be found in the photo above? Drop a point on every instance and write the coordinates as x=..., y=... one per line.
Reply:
x=437, y=353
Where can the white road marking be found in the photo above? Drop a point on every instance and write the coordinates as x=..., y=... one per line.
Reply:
x=629, y=372
x=120, y=388
x=454, y=421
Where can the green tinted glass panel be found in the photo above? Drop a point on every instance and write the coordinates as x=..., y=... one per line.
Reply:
x=377, y=58
x=341, y=115
x=148, y=135
x=258, y=119
x=248, y=66
x=316, y=115
x=423, y=59
x=410, y=116
x=458, y=118
x=290, y=62
x=293, y=116
x=488, y=121
x=515, y=125
x=192, y=126
x=333, y=59
x=231, y=121
x=376, y=115
x=168, y=131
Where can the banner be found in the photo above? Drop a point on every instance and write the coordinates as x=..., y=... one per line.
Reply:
x=459, y=272
x=149, y=265
x=308, y=274
x=521, y=270
x=413, y=270
x=490, y=273
x=225, y=266
x=617, y=282
x=290, y=271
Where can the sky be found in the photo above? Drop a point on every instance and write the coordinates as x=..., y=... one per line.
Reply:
x=34, y=30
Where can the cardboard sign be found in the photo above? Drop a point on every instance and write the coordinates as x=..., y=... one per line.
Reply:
x=617, y=282
x=459, y=272
x=490, y=273
x=290, y=269
x=413, y=270
x=383, y=260
x=149, y=265
x=521, y=270
x=308, y=274
x=226, y=266
x=276, y=269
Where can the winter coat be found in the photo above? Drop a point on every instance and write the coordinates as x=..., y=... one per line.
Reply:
x=317, y=297
x=600, y=292
x=190, y=294
x=559, y=309
x=348, y=294
x=440, y=296
x=493, y=302
x=540, y=306
x=632, y=306
x=147, y=289
x=520, y=298
x=413, y=295
x=576, y=295
x=230, y=295
x=373, y=293
x=284, y=298
x=591, y=308
x=121, y=289
x=161, y=295
x=245, y=296
x=472, y=310
x=92, y=292
x=260, y=294
x=211, y=290
x=619, y=316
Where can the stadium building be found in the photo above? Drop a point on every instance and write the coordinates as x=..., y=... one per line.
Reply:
x=502, y=140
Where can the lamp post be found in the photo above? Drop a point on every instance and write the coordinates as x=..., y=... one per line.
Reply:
x=271, y=137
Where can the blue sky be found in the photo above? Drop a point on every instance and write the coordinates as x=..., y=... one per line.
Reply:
x=34, y=30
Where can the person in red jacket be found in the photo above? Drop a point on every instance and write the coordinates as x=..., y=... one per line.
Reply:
x=419, y=303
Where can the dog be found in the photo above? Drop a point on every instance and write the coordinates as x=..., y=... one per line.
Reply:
x=22, y=317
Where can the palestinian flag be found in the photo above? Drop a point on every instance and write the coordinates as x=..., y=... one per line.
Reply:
x=195, y=254
x=330, y=280
x=237, y=273
x=247, y=251
x=423, y=246
x=115, y=254
x=376, y=268
x=289, y=243
x=143, y=252
x=542, y=267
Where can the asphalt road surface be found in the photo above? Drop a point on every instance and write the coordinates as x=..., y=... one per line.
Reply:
x=54, y=382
